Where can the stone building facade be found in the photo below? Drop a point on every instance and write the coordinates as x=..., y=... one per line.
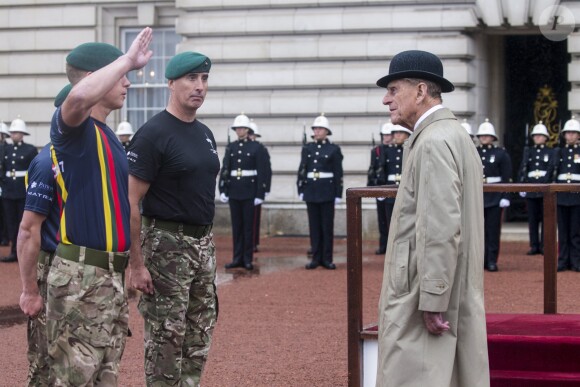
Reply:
x=283, y=62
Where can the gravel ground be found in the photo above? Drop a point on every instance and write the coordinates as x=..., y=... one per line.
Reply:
x=284, y=326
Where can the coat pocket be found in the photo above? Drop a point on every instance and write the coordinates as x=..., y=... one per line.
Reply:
x=400, y=268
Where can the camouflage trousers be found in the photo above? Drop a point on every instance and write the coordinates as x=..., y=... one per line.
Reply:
x=87, y=322
x=36, y=331
x=181, y=314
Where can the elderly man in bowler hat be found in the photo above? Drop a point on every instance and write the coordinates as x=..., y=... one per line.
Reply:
x=431, y=316
x=87, y=312
x=173, y=165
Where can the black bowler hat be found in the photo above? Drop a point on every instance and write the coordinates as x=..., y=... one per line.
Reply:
x=416, y=64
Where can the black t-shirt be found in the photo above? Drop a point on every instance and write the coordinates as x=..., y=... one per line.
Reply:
x=180, y=161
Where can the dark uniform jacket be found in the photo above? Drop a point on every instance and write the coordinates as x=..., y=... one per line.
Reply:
x=17, y=158
x=244, y=171
x=538, y=165
x=568, y=172
x=376, y=166
x=392, y=167
x=268, y=167
x=320, y=172
x=497, y=168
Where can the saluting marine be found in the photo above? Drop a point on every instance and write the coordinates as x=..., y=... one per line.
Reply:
x=242, y=183
x=254, y=134
x=124, y=133
x=497, y=168
x=568, y=172
x=17, y=158
x=320, y=186
x=538, y=163
x=374, y=175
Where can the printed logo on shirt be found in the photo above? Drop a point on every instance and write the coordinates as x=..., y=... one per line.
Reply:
x=132, y=156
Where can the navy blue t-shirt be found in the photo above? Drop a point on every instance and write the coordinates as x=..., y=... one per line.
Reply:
x=93, y=180
x=42, y=198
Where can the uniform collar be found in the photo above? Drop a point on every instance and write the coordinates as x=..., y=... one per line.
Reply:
x=319, y=142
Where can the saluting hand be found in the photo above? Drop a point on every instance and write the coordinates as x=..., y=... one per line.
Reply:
x=139, y=52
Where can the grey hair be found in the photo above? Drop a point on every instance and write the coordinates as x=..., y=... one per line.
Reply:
x=433, y=89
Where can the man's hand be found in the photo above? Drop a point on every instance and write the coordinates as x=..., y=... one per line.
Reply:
x=523, y=194
x=31, y=303
x=434, y=323
x=258, y=201
x=503, y=203
x=139, y=52
x=337, y=201
x=141, y=279
x=224, y=198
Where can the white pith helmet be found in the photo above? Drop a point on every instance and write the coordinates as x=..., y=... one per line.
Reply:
x=540, y=128
x=486, y=129
x=241, y=121
x=18, y=126
x=124, y=129
x=254, y=129
x=399, y=128
x=4, y=129
x=572, y=125
x=321, y=122
x=387, y=128
x=467, y=127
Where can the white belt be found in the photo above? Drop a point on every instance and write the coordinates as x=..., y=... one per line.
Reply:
x=244, y=172
x=569, y=176
x=319, y=175
x=537, y=173
x=395, y=178
x=491, y=180
x=15, y=173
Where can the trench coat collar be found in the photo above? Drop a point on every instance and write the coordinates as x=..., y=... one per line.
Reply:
x=441, y=114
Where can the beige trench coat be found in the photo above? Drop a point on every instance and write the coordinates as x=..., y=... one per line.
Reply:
x=434, y=262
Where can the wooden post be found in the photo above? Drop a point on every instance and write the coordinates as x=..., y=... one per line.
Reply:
x=550, y=253
x=354, y=288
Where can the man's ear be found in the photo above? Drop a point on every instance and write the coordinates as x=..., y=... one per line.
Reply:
x=421, y=92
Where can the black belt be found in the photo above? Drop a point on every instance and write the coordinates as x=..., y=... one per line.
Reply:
x=187, y=229
x=45, y=257
x=93, y=257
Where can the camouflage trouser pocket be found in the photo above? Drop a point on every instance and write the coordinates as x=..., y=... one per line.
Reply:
x=90, y=331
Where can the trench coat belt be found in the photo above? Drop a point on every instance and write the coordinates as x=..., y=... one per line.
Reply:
x=394, y=178
x=491, y=180
x=94, y=257
x=244, y=172
x=569, y=176
x=15, y=173
x=537, y=173
x=319, y=175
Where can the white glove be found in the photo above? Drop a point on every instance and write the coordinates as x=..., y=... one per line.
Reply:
x=258, y=201
x=267, y=194
x=337, y=201
x=301, y=196
x=224, y=198
x=503, y=203
x=381, y=199
x=523, y=194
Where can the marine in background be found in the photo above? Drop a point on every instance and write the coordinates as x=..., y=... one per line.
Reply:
x=124, y=133
x=320, y=186
x=242, y=184
x=17, y=158
x=568, y=172
x=497, y=168
x=537, y=167
x=375, y=173
x=254, y=135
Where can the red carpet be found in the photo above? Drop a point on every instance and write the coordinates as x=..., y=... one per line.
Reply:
x=534, y=350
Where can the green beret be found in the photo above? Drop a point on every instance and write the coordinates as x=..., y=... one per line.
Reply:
x=185, y=63
x=61, y=96
x=93, y=56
